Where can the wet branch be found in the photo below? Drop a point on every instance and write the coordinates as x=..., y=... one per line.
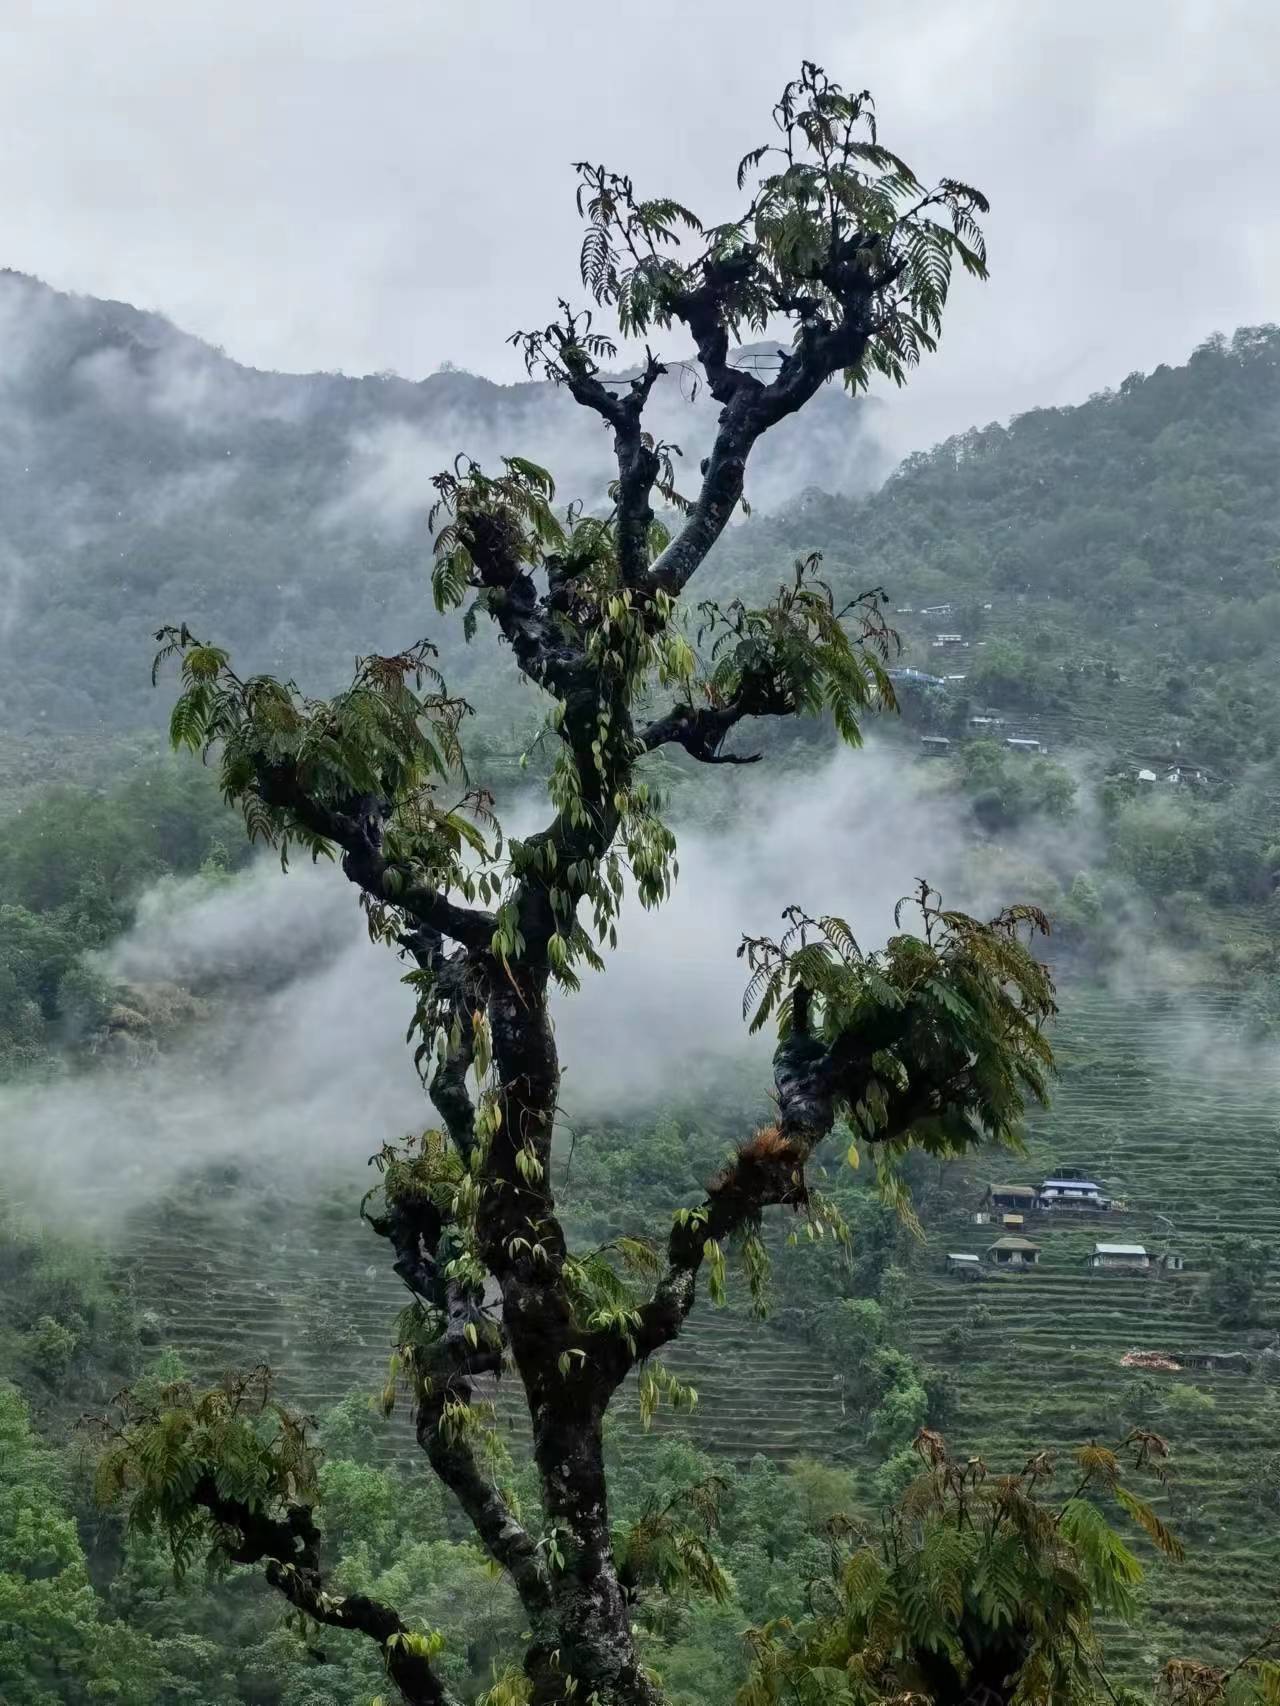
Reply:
x=702, y=730
x=358, y=825
x=289, y=1547
x=751, y=407
x=638, y=462
x=812, y=1080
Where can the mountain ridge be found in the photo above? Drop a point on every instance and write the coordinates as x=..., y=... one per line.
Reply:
x=147, y=477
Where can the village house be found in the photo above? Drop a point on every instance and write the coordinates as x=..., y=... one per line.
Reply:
x=967, y=1266
x=1013, y=1252
x=1131, y=1258
x=1072, y=1193
x=1019, y=1198
x=1023, y=743
x=920, y=677
x=934, y=746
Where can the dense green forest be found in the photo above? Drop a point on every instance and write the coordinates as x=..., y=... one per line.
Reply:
x=143, y=473
x=1111, y=572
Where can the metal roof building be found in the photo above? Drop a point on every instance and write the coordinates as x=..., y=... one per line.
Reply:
x=1014, y=1252
x=1132, y=1256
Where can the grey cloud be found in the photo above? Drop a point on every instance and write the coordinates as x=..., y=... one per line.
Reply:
x=13, y=576
x=318, y=187
x=835, y=445
x=302, y=1062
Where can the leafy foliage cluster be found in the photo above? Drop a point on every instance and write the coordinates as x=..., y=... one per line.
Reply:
x=831, y=205
x=950, y=1021
x=172, y=1448
x=977, y=1583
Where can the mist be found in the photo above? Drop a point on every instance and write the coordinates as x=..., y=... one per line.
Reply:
x=837, y=446
x=279, y=1028
x=296, y=1056
x=151, y=479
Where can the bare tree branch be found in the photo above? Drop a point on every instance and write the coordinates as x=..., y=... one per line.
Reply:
x=546, y=651
x=702, y=730
x=289, y=1547
x=751, y=407
x=766, y=1171
x=454, y=1459
x=357, y=826
x=811, y=1079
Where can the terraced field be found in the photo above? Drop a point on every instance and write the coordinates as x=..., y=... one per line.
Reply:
x=321, y=1308
x=1161, y=1098
x=1163, y=1101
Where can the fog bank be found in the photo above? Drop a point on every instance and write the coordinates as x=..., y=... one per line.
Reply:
x=299, y=1057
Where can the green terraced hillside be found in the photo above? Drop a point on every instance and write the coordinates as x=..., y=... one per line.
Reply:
x=320, y=1310
x=1160, y=1098
x=1166, y=1105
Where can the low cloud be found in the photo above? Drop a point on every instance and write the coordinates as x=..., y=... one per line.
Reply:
x=13, y=576
x=300, y=1061
x=299, y=1064
x=834, y=446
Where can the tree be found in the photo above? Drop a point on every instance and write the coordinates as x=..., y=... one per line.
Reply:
x=934, y=1041
x=57, y=1645
x=979, y=1587
x=1240, y=1267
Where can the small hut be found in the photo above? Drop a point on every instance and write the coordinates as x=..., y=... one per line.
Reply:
x=934, y=745
x=967, y=1266
x=1016, y=1199
x=1128, y=1258
x=1013, y=1252
x=1217, y=1362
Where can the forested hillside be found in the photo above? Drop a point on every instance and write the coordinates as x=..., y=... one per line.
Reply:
x=1110, y=574
x=1133, y=540
x=146, y=477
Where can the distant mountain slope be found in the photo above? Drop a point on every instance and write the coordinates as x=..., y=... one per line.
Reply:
x=1163, y=494
x=146, y=477
x=1134, y=538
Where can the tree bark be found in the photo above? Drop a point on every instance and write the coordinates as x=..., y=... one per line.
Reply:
x=591, y=1613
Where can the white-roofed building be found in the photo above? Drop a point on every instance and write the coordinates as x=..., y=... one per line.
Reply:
x=1072, y=1193
x=1133, y=1258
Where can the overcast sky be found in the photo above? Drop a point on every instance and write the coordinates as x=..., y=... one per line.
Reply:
x=313, y=184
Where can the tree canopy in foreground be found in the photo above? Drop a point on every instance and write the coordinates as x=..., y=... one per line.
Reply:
x=935, y=1041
